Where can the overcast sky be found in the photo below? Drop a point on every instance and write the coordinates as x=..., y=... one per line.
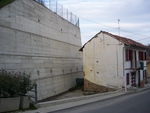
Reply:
x=97, y=15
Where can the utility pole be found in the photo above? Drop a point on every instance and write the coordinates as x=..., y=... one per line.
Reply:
x=119, y=26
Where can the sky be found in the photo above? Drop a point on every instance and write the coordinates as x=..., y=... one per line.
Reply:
x=97, y=15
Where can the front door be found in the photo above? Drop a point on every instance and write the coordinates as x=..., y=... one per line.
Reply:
x=139, y=78
x=133, y=79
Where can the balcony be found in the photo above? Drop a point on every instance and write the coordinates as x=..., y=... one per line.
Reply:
x=134, y=65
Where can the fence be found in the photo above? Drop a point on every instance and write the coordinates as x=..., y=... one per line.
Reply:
x=60, y=10
x=34, y=90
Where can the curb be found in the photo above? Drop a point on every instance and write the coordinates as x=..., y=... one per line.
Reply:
x=75, y=99
x=143, y=89
x=57, y=105
x=139, y=89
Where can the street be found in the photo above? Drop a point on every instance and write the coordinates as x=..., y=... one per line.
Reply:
x=129, y=103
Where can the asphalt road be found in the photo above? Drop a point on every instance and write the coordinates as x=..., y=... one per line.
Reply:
x=130, y=103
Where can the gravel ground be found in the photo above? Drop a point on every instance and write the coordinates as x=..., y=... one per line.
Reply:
x=75, y=92
x=69, y=94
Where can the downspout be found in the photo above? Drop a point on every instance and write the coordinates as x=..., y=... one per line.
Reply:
x=125, y=86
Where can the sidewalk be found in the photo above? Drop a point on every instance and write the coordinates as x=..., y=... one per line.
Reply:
x=147, y=86
x=50, y=106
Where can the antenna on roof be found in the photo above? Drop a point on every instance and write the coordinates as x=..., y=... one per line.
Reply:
x=119, y=26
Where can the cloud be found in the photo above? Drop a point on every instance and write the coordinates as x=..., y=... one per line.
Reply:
x=96, y=15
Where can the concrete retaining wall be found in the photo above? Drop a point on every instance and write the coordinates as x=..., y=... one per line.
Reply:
x=35, y=40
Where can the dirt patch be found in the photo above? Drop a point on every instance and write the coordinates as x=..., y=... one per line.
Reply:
x=74, y=92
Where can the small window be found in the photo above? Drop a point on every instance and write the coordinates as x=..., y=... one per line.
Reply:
x=141, y=55
x=144, y=55
x=130, y=55
x=127, y=78
x=127, y=55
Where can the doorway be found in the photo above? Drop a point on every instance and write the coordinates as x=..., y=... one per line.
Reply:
x=133, y=79
x=139, y=79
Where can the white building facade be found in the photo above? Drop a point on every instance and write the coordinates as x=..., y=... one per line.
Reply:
x=113, y=61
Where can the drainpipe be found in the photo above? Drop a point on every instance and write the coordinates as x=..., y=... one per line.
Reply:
x=125, y=86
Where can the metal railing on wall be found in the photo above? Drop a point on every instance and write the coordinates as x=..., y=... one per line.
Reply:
x=34, y=90
x=60, y=10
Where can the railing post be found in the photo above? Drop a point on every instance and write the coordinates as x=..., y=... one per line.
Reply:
x=49, y=4
x=67, y=14
x=71, y=17
x=56, y=7
x=78, y=22
x=62, y=11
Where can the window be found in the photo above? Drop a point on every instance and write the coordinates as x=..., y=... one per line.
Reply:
x=130, y=55
x=135, y=59
x=127, y=79
x=139, y=55
x=142, y=55
x=127, y=55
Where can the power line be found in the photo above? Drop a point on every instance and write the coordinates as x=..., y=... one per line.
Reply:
x=143, y=39
x=106, y=25
x=138, y=33
x=98, y=23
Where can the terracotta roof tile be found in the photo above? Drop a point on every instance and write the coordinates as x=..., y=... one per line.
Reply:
x=124, y=40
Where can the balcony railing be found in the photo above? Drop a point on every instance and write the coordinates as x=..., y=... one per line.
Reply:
x=134, y=64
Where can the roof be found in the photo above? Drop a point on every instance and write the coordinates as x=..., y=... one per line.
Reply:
x=124, y=40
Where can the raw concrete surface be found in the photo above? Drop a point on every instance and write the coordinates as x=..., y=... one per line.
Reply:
x=38, y=41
